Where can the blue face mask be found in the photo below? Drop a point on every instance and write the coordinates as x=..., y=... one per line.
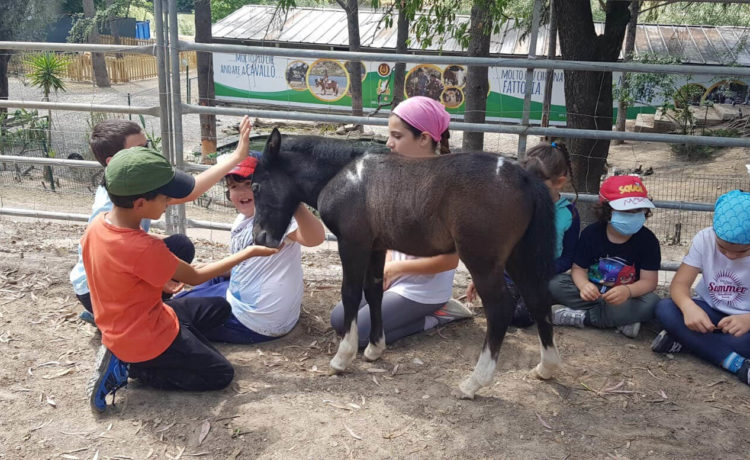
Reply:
x=627, y=223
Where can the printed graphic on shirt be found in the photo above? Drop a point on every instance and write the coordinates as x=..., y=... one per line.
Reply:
x=611, y=271
x=727, y=287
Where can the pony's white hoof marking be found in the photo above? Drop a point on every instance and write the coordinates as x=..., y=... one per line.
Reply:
x=548, y=365
x=347, y=350
x=468, y=388
x=373, y=352
x=542, y=372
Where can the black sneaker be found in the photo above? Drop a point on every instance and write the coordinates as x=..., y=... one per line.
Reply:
x=664, y=343
x=744, y=373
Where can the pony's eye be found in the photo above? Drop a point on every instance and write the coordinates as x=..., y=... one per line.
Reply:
x=255, y=188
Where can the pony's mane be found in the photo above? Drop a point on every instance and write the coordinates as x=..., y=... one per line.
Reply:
x=325, y=148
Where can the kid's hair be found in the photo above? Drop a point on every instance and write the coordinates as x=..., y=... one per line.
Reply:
x=444, y=138
x=603, y=212
x=108, y=137
x=549, y=161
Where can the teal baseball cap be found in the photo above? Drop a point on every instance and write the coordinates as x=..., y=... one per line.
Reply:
x=139, y=170
x=732, y=217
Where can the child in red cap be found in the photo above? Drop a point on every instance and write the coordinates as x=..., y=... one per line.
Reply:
x=615, y=267
x=265, y=292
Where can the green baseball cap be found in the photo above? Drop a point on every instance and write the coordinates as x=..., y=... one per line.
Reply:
x=140, y=170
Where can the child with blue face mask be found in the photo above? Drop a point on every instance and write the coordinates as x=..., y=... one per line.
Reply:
x=714, y=323
x=616, y=264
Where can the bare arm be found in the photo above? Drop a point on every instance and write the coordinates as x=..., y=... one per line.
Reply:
x=695, y=318
x=310, y=231
x=210, y=177
x=189, y=274
x=422, y=266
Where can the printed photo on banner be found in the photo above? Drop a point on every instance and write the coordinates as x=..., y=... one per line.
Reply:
x=424, y=80
x=295, y=75
x=454, y=75
x=327, y=80
x=452, y=97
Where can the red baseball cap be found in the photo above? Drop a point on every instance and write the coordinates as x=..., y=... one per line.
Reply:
x=245, y=169
x=624, y=193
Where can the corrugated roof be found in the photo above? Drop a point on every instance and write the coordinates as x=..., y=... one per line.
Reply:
x=326, y=28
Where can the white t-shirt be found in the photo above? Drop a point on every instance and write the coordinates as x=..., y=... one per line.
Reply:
x=725, y=284
x=425, y=289
x=265, y=292
x=102, y=203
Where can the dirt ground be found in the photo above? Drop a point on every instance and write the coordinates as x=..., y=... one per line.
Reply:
x=613, y=398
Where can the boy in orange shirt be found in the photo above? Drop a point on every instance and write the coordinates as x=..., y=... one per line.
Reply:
x=160, y=343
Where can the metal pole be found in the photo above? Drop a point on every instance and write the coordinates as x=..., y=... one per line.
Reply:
x=525, y=115
x=176, y=103
x=80, y=47
x=80, y=107
x=130, y=116
x=549, y=78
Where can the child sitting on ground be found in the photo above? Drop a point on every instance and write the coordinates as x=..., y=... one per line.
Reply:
x=616, y=264
x=126, y=268
x=109, y=137
x=550, y=163
x=714, y=325
x=265, y=293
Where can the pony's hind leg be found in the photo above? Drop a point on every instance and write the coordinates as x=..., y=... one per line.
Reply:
x=538, y=301
x=498, y=309
x=354, y=263
x=374, y=296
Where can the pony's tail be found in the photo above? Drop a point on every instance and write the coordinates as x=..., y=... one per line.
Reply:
x=537, y=246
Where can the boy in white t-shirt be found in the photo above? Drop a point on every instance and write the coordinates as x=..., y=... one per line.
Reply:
x=265, y=292
x=715, y=325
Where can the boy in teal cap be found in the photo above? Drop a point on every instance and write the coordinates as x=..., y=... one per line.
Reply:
x=713, y=326
x=161, y=343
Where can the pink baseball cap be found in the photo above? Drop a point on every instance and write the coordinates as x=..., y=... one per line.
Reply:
x=425, y=114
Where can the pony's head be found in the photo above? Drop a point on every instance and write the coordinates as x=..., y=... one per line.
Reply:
x=276, y=195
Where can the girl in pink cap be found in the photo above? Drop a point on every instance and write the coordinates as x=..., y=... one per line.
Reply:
x=418, y=290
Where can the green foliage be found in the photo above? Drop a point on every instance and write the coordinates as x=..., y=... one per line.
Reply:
x=154, y=139
x=26, y=20
x=24, y=130
x=46, y=72
x=223, y=8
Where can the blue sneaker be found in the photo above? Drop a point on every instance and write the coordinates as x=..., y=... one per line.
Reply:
x=110, y=374
x=88, y=317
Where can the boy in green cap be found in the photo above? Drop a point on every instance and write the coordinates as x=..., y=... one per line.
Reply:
x=161, y=343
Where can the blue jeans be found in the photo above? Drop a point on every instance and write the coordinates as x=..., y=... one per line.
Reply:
x=712, y=347
x=232, y=331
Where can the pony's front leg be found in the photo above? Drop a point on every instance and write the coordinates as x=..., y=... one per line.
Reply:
x=374, y=296
x=498, y=309
x=354, y=263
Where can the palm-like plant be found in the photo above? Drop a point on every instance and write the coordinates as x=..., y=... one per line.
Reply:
x=46, y=73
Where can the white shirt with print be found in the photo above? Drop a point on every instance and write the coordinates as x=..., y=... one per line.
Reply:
x=425, y=289
x=265, y=292
x=725, y=284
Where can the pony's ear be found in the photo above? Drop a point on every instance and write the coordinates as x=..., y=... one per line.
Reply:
x=273, y=144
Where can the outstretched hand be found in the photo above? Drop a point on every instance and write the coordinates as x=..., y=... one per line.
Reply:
x=243, y=146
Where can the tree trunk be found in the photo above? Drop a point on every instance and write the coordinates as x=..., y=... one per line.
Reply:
x=101, y=79
x=4, y=88
x=622, y=106
x=355, y=67
x=477, y=84
x=206, y=90
x=549, y=78
x=588, y=95
x=399, y=71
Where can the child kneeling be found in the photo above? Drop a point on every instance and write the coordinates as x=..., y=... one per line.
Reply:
x=713, y=326
x=160, y=343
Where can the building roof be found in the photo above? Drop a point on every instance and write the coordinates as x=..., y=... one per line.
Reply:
x=326, y=28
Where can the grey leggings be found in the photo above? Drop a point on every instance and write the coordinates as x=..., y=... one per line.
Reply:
x=601, y=314
x=401, y=317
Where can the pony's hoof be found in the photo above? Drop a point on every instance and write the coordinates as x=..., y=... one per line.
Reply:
x=467, y=389
x=373, y=352
x=541, y=372
x=339, y=365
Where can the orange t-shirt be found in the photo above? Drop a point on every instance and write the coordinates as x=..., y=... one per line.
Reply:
x=126, y=271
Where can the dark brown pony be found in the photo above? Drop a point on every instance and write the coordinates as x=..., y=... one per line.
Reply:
x=326, y=85
x=496, y=215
